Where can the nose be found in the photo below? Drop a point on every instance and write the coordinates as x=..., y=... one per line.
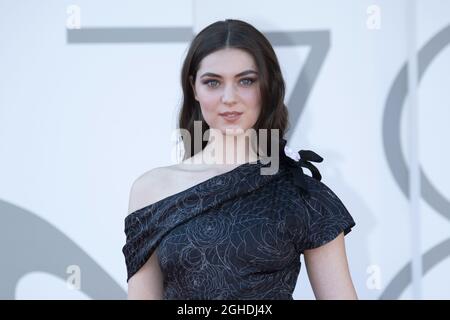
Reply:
x=229, y=95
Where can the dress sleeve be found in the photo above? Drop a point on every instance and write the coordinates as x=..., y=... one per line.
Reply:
x=141, y=241
x=326, y=216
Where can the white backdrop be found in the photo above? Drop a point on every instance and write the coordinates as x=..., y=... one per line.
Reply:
x=84, y=112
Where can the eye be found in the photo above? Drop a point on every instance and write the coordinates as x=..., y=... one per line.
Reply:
x=207, y=82
x=246, y=82
x=250, y=81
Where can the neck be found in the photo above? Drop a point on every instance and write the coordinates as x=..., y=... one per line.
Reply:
x=223, y=149
x=230, y=149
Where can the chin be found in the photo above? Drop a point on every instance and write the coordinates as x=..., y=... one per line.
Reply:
x=233, y=130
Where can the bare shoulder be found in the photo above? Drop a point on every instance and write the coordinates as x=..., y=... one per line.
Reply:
x=150, y=187
x=161, y=182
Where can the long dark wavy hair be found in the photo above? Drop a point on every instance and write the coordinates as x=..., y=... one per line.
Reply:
x=238, y=34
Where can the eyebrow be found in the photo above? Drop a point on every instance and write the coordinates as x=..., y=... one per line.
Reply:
x=238, y=75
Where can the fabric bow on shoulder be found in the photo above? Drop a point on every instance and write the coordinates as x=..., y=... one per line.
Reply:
x=301, y=159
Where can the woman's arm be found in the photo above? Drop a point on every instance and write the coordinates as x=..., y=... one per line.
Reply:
x=147, y=282
x=328, y=271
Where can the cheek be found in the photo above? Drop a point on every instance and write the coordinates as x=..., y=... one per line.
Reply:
x=253, y=101
x=209, y=103
x=209, y=100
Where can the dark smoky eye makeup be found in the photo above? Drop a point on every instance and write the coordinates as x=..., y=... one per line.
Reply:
x=250, y=79
x=208, y=81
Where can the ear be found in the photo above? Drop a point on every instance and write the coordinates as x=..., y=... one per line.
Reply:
x=191, y=80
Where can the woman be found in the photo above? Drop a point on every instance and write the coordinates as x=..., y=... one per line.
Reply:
x=213, y=229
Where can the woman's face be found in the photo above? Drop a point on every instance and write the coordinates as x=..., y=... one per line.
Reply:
x=227, y=81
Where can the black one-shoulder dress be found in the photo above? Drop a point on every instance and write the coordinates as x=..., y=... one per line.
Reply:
x=238, y=235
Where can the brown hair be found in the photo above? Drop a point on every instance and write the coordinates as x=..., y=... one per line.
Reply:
x=232, y=33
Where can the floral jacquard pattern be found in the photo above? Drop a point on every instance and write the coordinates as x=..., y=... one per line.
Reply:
x=238, y=235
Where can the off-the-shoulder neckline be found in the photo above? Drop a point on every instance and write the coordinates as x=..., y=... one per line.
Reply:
x=208, y=180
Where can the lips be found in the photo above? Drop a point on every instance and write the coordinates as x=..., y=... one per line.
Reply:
x=231, y=116
x=232, y=113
